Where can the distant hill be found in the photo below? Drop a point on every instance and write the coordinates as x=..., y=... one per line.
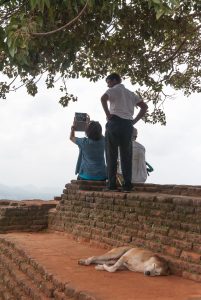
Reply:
x=28, y=192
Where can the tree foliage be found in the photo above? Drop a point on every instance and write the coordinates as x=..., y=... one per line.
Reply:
x=154, y=43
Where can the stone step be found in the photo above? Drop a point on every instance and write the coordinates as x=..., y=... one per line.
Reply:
x=12, y=288
x=25, y=279
x=183, y=190
x=4, y=293
x=18, y=283
x=24, y=274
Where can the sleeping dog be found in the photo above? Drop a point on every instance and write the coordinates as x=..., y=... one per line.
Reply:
x=133, y=259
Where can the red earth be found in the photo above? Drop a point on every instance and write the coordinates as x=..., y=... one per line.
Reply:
x=59, y=254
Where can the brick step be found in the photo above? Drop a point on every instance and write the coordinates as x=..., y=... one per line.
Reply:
x=4, y=293
x=15, y=288
x=18, y=283
x=34, y=274
x=169, y=190
x=10, y=284
x=184, y=190
x=24, y=278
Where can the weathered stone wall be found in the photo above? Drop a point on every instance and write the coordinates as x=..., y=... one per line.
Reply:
x=163, y=218
x=29, y=215
x=23, y=278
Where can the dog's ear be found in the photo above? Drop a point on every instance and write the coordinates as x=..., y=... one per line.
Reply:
x=165, y=263
x=158, y=257
x=167, y=267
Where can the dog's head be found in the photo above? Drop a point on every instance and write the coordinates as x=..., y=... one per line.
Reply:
x=156, y=266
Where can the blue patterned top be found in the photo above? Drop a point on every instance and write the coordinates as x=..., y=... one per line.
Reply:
x=91, y=160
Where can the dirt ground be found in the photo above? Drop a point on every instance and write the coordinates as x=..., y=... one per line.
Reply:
x=59, y=254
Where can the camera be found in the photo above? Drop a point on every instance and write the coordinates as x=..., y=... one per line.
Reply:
x=80, y=121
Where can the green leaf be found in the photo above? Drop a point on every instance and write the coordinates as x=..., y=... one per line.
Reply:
x=33, y=3
x=14, y=26
x=47, y=3
x=159, y=13
x=12, y=51
x=157, y=1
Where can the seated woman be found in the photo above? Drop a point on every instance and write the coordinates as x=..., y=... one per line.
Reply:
x=91, y=160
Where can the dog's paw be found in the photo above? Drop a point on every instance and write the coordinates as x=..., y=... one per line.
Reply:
x=82, y=262
x=85, y=262
x=99, y=267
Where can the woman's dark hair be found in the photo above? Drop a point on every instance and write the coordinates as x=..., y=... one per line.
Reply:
x=114, y=76
x=94, y=131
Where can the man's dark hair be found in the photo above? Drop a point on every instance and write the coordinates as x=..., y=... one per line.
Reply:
x=94, y=131
x=114, y=76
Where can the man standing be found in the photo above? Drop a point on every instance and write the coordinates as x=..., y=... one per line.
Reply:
x=119, y=128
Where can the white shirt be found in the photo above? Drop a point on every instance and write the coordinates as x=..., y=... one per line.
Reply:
x=139, y=169
x=122, y=101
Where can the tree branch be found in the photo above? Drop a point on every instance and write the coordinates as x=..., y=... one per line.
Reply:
x=13, y=80
x=14, y=89
x=180, y=46
x=64, y=26
x=9, y=15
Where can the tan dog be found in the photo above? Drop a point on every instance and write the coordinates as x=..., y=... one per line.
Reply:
x=133, y=259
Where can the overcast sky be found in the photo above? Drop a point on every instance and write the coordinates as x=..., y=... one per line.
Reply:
x=35, y=147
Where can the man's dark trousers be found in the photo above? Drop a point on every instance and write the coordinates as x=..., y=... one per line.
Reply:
x=119, y=134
